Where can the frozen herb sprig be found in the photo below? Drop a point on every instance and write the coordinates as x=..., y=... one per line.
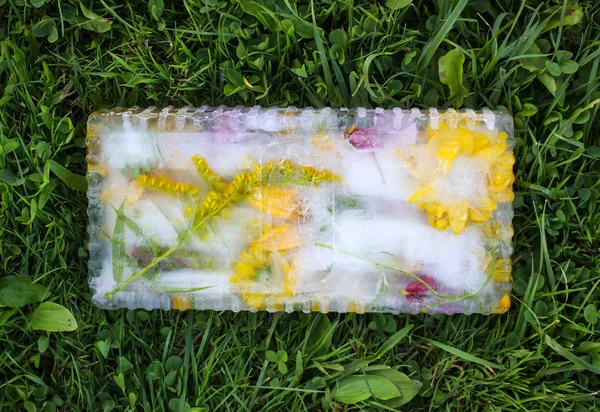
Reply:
x=222, y=197
x=450, y=298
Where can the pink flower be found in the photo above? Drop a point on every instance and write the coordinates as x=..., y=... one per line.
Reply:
x=416, y=291
x=362, y=138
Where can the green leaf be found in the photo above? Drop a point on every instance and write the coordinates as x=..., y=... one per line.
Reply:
x=74, y=181
x=336, y=52
x=282, y=355
x=18, y=291
x=450, y=68
x=591, y=314
x=398, y=4
x=300, y=71
x=52, y=317
x=529, y=110
x=563, y=56
x=235, y=78
x=6, y=314
x=320, y=334
x=409, y=388
x=160, y=287
x=29, y=406
x=356, y=388
x=118, y=246
x=53, y=36
x=569, y=67
x=156, y=8
x=120, y=381
x=43, y=27
x=464, y=355
x=338, y=36
x=231, y=89
x=553, y=68
x=594, y=151
x=174, y=363
x=535, y=60
x=573, y=15
x=94, y=22
x=7, y=176
x=43, y=343
x=549, y=82
x=584, y=193
x=37, y=3
x=103, y=347
x=11, y=145
x=272, y=356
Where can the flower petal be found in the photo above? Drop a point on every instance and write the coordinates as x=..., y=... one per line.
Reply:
x=477, y=216
x=503, y=305
x=181, y=303
x=275, y=201
x=490, y=154
x=502, y=271
x=506, y=196
x=281, y=237
x=447, y=153
x=422, y=194
x=459, y=217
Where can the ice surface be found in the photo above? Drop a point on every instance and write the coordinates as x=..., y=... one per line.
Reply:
x=288, y=209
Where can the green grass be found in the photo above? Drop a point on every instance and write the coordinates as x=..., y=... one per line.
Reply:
x=60, y=62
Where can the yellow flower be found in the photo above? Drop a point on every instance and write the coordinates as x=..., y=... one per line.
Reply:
x=254, y=299
x=135, y=193
x=317, y=306
x=503, y=305
x=502, y=271
x=275, y=201
x=99, y=168
x=488, y=148
x=210, y=177
x=181, y=302
x=265, y=256
x=323, y=142
x=496, y=229
x=356, y=307
x=281, y=237
x=249, y=264
x=166, y=185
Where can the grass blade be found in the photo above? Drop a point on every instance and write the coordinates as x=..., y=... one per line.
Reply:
x=439, y=36
x=464, y=355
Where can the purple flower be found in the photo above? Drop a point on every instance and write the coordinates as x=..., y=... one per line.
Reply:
x=362, y=138
x=416, y=291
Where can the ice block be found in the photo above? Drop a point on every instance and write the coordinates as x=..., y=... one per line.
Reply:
x=301, y=209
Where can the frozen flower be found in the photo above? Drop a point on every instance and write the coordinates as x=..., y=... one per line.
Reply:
x=443, y=196
x=503, y=305
x=275, y=201
x=416, y=291
x=362, y=138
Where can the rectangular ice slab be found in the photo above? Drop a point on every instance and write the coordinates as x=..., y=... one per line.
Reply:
x=312, y=210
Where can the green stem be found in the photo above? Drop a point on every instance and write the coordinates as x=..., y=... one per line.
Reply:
x=415, y=277
x=168, y=253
